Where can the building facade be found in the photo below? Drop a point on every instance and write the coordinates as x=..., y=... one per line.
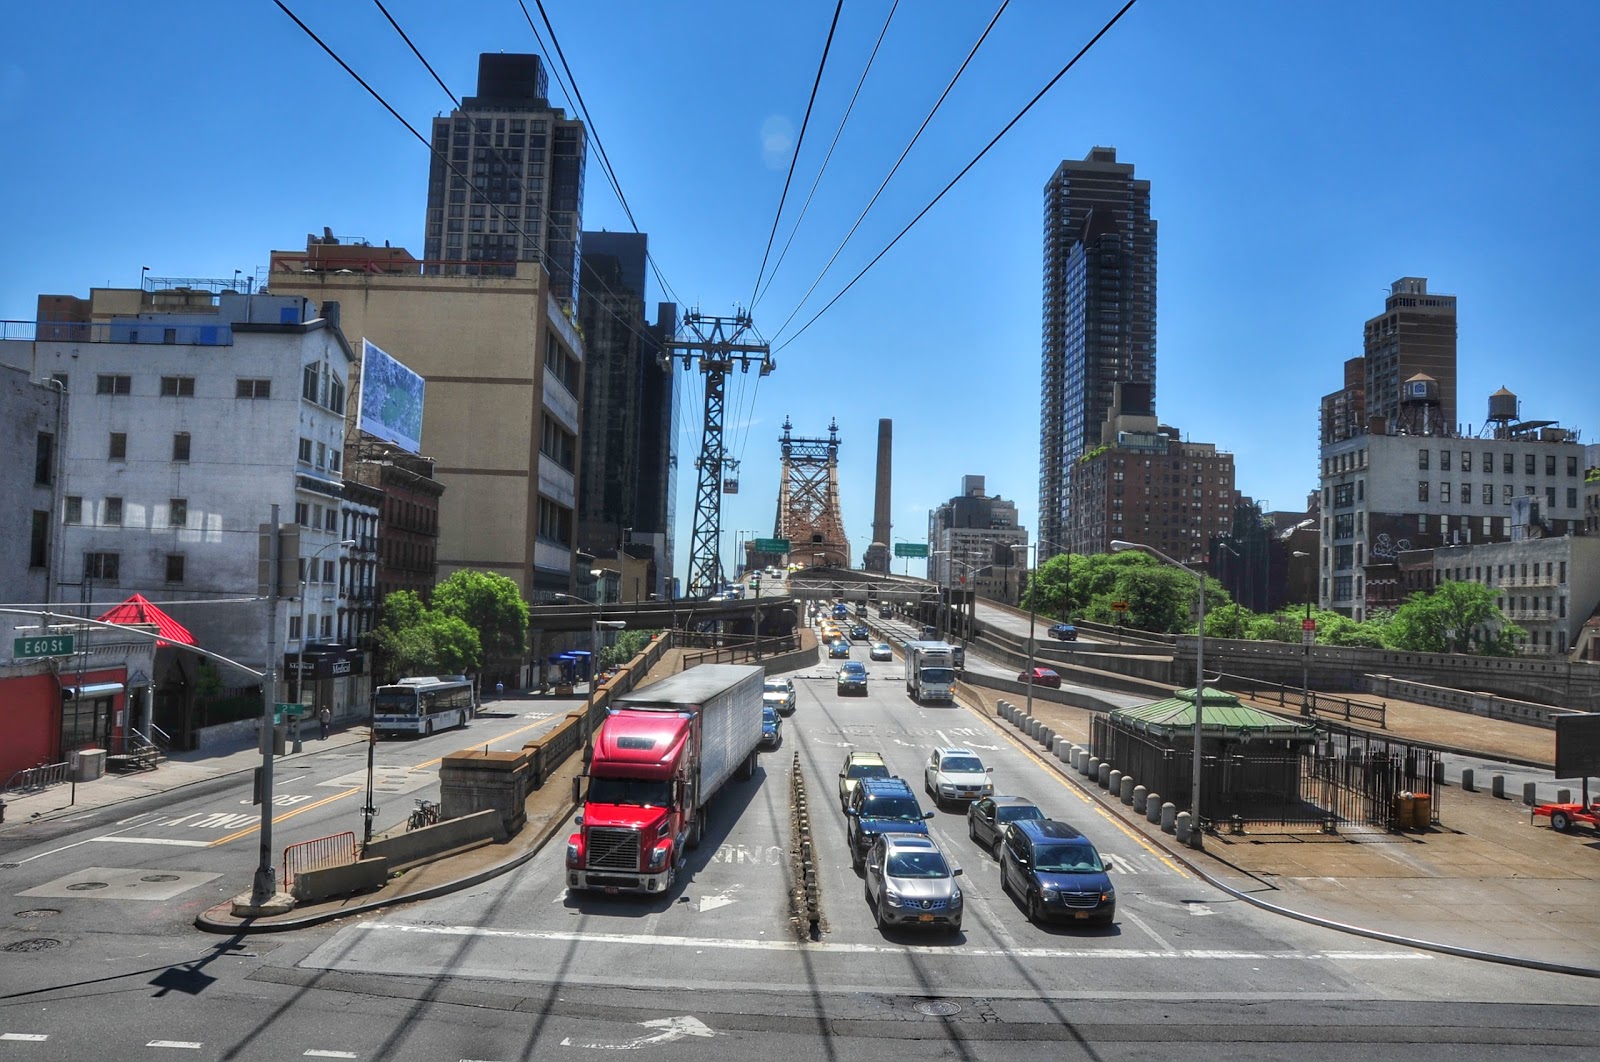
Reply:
x=408, y=515
x=32, y=416
x=626, y=468
x=503, y=363
x=1416, y=333
x=184, y=428
x=1099, y=326
x=970, y=543
x=512, y=189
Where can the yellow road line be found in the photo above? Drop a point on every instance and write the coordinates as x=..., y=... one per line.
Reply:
x=247, y=831
x=1077, y=791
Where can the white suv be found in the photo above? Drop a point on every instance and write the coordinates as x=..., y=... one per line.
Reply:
x=956, y=775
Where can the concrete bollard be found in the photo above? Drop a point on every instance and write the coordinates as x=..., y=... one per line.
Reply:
x=1530, y=793
x=1563, y=796
x=1169, y=817
x=1126, y=794
x=1104, y=777
x=1114, y=782
x=1035, y=728
x=1152, y=807
x=1094, y=767
x=1140, y=797
x=1180, y=827
x=1080, y=760
x=1466, y=781
x=1049, y=738
x=1497, y=785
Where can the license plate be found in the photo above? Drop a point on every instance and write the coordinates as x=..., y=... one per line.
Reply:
x=924, y=918
x=611, y=890
x=1080, y=914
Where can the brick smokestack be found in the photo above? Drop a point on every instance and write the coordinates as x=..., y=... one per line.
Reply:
x=878, y=553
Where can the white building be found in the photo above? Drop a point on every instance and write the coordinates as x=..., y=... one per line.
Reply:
x=184, y=429
x=969, y=543
x=30, y=417
x=1546, y=586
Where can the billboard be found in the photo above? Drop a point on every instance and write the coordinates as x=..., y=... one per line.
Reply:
x=391, y=399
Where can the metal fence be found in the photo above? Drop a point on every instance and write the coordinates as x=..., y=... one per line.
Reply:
x=35, y=779
x=1322, y=704
x=338, y=850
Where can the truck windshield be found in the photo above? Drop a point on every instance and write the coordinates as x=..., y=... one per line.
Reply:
x=629, y=791
x=938, y=674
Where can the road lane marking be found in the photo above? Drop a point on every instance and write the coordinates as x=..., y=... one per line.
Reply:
x=74, y=844
x=286, y=815
x=152, y=840
x=715, y=943
x=1125, y=914
x=32, y=1038
x=187, y=1045
x=314, y=1053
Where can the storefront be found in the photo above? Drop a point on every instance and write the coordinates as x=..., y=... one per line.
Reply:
x=329, y=676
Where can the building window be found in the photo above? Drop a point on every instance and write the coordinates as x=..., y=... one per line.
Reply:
x=327, y=626
x=1466, y=460
x=302, y=514
x=1444, y=492
x=1444, y=460
x=44, y=451
x=1549, y=464
x=1572, y=466
x=117, y=449
x=1572, y=497
x=322, y=455
x=305, y=451
x=294, y=628
x=113, y=385
x=103, y=566
x=39, y=543
x=1505, y=494
x=309, y=380
x=180, y=446
x=174, y=567
x=1422, y=459
x=253, y=389
x=332, y=521
x=335, y=394
x=112, y=513
x=1530, y=464
x=177, y=512
x=1549, y=498
x=1466, y=494
x=73, y=513
x=328, y=574
x=177, y=387
x=1422, y=491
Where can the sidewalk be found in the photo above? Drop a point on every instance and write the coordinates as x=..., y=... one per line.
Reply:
x=1487, y=882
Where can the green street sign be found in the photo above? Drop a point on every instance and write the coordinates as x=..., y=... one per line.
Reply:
x=47, y=645
x=772, y=545
x=910, y=549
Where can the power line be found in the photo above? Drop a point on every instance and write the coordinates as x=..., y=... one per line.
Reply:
x=897, y=162
x=964, y=170
x=829, y=156
x=416, y=53
x=794, y=158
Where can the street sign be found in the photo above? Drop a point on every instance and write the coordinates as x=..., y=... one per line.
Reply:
x=1119, y=606
x=771, y=545
x=1308, y=636
x=1308, y=624
x=46, y=645
x=910, y=549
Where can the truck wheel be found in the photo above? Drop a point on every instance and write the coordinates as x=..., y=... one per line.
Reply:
x=697, y=828
x=1559, y=821
x=747, y=769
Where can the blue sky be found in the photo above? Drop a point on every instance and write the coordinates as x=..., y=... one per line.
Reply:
x=1301, y=158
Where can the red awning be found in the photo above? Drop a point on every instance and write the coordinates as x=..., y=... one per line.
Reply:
x=139, y=609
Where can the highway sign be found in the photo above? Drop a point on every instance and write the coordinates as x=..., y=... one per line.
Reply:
x=1119, y=606
x=771, y=545
x=47, y=645
x=910, y=549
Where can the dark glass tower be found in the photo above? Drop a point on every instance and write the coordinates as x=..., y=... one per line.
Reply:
x=518, y=195
x=1099, y=325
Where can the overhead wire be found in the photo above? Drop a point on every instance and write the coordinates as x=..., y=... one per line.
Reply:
x=896, y=167
x=799, y=141
x=965, y=169
x=829, y=156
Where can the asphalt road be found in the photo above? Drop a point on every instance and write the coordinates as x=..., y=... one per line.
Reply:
x=517, y=968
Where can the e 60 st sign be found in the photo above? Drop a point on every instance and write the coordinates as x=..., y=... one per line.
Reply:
x=48, y=645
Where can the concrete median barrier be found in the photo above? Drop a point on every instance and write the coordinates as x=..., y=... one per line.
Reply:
x=407, y=849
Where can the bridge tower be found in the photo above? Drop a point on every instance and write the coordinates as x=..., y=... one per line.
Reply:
x=808, y=499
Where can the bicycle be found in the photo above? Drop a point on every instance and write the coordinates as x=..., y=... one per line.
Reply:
x=426, y=813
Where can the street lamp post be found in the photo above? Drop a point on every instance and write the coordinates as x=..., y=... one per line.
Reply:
x=1306, y=635
x=305, y=586
x=1117, y=546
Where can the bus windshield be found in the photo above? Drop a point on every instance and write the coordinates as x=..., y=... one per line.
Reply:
x=394, y=702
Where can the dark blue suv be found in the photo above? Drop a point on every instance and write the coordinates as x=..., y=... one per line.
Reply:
x=1057, y=873
x=881, y=805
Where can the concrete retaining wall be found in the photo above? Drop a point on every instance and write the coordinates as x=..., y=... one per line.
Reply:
x=419, y=846
x=227, y=735
x=1485, y=704
x=475, y=780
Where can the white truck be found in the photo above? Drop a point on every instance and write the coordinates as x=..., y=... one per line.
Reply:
x=930, y=671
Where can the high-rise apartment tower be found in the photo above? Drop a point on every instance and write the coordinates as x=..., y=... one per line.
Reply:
x=515, y=192
x=1415, y=333
x=1099, y=326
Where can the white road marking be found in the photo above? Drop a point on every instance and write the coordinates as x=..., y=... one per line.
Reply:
x=1124, y=914
x=1199, y=909
x=32, y=1038
x=151, y=840
x=74, y=844
x=188, y=1045
x=634, y=940
x=330, y=1054
x=671, y=1029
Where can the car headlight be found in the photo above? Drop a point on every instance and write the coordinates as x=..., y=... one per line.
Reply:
x=955, y=898
x=574, y=853
x=1049, y=892
x=1108, y=894
x=891, y=898
x=658, y=857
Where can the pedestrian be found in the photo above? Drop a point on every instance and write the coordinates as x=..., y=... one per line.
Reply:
x=325, y=717
x=499, y=688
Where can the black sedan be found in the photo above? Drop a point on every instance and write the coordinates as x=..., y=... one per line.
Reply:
x=1064, y=632
x=987, y=818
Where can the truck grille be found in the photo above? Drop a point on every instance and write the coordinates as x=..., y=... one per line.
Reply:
x=613, y=848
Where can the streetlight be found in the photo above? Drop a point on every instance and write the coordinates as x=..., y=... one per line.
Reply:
x=1117, y=546
x=1033, y=611
x=300, y=657
x=1307, y=635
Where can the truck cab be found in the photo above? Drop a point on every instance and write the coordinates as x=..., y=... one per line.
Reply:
x=636, y=811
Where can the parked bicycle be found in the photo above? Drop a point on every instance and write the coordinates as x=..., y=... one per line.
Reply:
x=426, y=813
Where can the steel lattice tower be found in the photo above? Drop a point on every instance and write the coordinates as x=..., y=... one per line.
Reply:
x=716, y=341
x=808, y=499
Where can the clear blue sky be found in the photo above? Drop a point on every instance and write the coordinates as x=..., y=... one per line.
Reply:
x=1301, y=158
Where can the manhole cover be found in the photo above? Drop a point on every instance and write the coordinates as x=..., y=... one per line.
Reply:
x=159, y=877
x=36, y=944
x=86, y=886
x=38, y=912
x=937, y=1009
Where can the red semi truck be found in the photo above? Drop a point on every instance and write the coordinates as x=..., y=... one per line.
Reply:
x=659, y=758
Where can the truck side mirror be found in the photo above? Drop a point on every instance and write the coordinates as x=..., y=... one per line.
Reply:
x=577, y=820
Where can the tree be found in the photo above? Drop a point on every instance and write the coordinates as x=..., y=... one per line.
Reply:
x=628, y=645
x=412, y=639
x=493, y=607
x=1455, y=617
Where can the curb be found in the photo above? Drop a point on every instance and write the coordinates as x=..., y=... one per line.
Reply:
x=1182, y=857
x=211, y=921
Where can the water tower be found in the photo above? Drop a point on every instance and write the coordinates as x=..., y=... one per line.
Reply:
x=1502, y=412
x=1420, y=409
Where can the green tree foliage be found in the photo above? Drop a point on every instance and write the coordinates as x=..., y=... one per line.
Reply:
x=412, y=639
x=628, y=645
x=1159, y=597
x=1455, y=617
x=492, y=606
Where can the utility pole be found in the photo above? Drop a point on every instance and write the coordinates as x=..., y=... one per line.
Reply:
x=265, y=886
x=716, y=341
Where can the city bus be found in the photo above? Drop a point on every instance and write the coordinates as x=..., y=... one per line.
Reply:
x=423, y=705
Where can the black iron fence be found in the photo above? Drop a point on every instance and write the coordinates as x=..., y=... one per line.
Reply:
x=1298, y=697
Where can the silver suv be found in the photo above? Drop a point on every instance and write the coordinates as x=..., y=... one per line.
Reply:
x=910, y=882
